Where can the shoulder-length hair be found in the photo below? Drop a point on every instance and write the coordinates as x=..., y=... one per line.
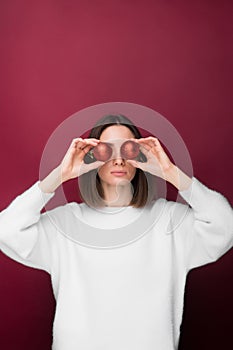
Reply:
x=90, y=188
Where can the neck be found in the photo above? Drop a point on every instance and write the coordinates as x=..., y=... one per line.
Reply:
x=117, y=196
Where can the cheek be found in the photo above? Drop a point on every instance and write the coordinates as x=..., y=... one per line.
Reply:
x=132, y=172
x=103, y=171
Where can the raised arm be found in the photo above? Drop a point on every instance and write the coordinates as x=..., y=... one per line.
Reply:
x=202, y=228
x=72, y=164
x=28, y=236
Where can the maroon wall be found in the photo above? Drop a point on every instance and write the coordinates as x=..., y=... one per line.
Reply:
x=58, y=57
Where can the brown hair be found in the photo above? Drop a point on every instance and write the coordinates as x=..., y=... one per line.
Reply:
x=90, y=188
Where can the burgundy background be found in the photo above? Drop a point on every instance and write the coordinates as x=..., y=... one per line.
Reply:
x=58, y=57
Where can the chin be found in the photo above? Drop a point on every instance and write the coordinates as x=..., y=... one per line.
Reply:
x=122, y=182
x=116, y=181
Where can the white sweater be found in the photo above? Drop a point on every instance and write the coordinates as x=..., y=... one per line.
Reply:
x=125, y=298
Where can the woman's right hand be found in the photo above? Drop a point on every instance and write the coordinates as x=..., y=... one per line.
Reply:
x=73, y=164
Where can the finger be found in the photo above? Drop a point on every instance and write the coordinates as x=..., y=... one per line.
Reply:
x=142, y=143
x=84, y=143
x=134, y=163
x=145, y=149
x=94, y=165
x=93, y=139
x=91, y=142
x=150, y=138
x=87, y=139
x=148, y=144
x=158, y=145
x=74, y=143
x=87, y=148
x=154, y=144
x=145, y=141
x=145, y=146
x=158, y=148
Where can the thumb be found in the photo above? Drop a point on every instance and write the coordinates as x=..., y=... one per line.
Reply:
x=133, y=163
x=95, y=165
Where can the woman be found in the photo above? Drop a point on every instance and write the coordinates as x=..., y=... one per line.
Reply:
x=131, y=297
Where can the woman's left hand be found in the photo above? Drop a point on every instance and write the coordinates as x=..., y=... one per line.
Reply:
x=158, y=162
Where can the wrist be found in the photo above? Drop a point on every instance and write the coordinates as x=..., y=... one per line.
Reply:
x=61, y=174
x=171, y=173
x=178, y=178
x=51, y=181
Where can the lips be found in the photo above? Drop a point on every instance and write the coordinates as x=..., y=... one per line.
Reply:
x=119, y=173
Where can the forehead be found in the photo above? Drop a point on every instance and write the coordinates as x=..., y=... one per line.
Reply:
x=116, y=132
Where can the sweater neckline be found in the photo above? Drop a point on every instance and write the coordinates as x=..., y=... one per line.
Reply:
x=98, y=227
x=113, y=210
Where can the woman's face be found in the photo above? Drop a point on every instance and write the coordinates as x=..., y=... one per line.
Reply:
x=117, y=169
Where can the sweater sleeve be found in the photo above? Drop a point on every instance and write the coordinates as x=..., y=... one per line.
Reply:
x=25, y=232
x=204, y=227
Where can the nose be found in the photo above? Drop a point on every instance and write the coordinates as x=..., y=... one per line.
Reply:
x=119, y=161
x=117, y=157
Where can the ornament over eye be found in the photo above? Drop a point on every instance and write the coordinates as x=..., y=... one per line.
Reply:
x=129, y=150
x=102, y=152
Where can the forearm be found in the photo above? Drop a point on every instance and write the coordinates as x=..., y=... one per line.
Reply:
x=23, y=229
x=51, y=182
x=178, y=178
x=205, y=229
